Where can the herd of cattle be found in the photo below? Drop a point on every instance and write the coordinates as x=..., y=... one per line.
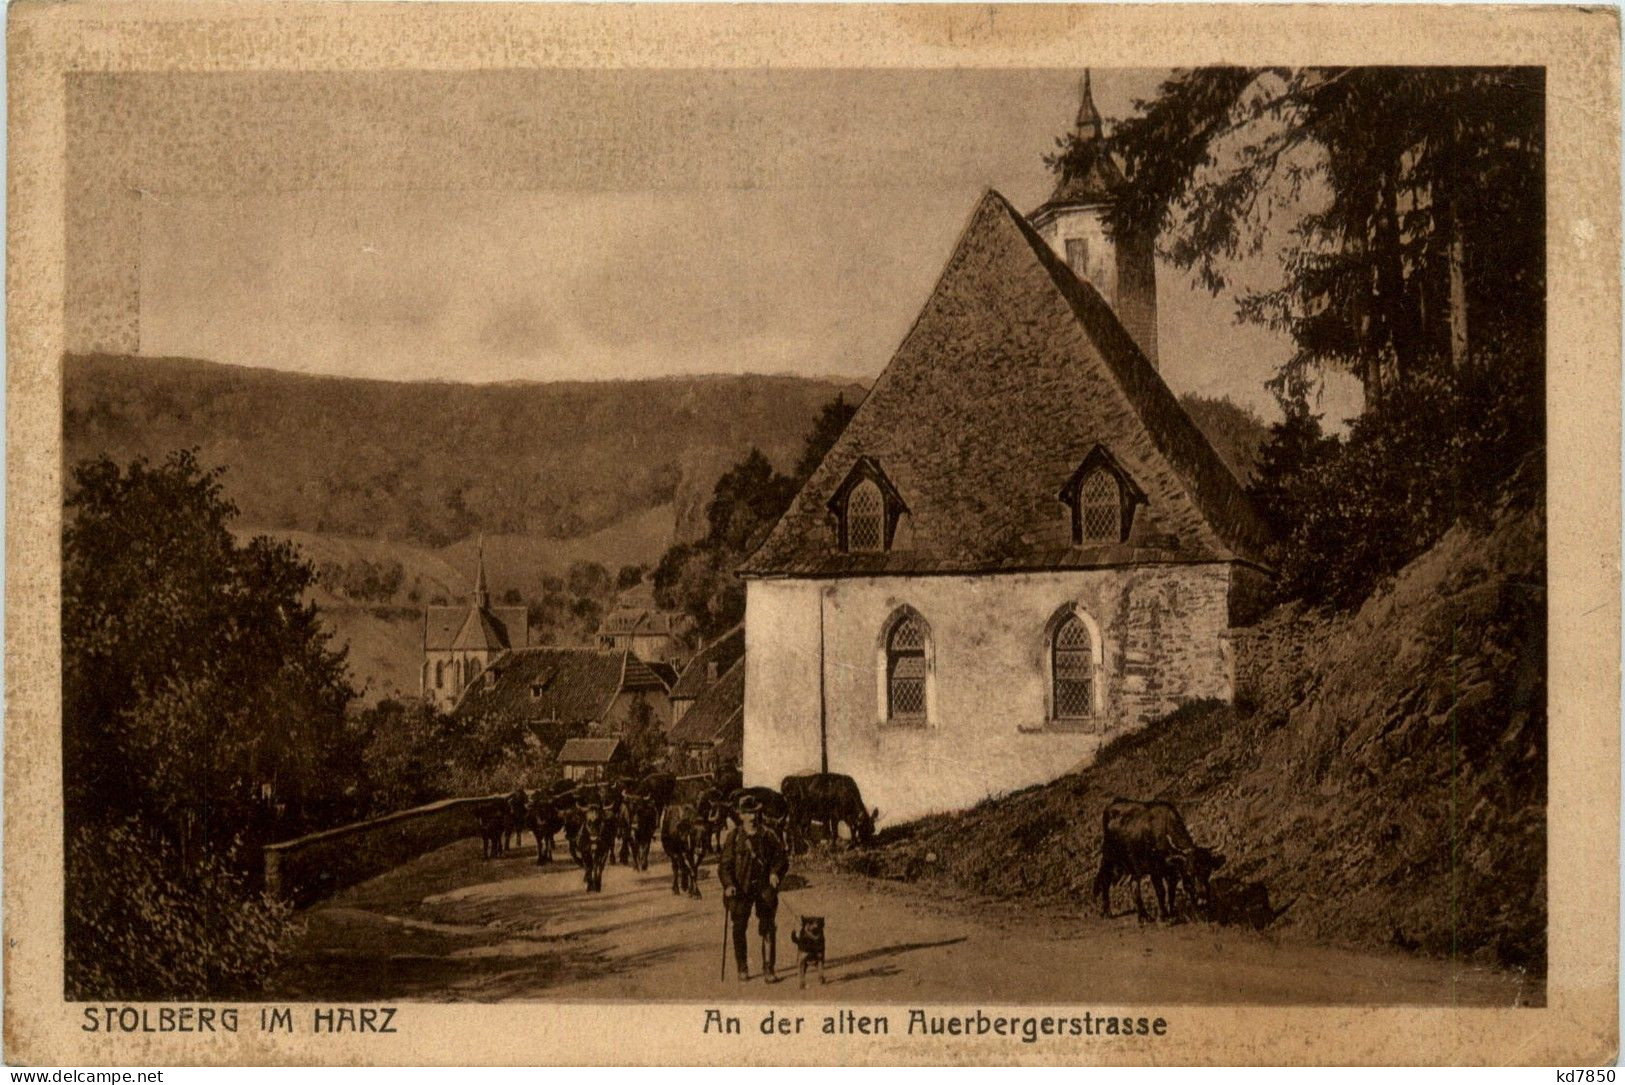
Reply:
x=617, y=821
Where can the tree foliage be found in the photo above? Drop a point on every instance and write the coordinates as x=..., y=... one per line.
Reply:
x=194, y=672
x=699, y=578
x=1349, y=512
x=1423, y=241
x=196, y=685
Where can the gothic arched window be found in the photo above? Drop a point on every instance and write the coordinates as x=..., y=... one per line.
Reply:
x=1072, y=665
x=865, y=517
x=906, y=668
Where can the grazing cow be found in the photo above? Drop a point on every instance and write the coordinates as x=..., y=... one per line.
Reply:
x=1149, y=840
x=545, y=822
x=682, y=835
x=513, y=835
x=492, y=816
x=828, y=798
x=594, y=843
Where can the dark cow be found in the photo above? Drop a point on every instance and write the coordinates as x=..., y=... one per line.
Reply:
x=712, y=810
x=658, y=788
x=1142, y=840
x=828, y=798
x=593, y=845
x=642, y=816
x=513, y=835
x=545, y=822
x=682, y=836
x=572, y=811
x=727, y=780
x=492, y=816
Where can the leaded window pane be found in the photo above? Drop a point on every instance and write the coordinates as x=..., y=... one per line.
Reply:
x=1073, y=666
x=908, y=635
x=1072, y=699
x=1101, y=507
x=905, y=669
x=865, y=518
x=907, y=696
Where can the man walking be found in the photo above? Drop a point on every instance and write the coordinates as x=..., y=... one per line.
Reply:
x=752, y=864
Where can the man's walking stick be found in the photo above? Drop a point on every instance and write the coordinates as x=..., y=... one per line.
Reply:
x=724, y=975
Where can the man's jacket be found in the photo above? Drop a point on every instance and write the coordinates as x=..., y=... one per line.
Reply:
x=747, y=862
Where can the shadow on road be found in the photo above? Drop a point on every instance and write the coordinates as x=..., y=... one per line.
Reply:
x=891, y=951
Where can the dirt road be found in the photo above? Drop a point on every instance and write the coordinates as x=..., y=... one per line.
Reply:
x=450, y=926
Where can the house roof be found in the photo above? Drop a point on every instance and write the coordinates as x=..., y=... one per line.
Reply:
x=639, y=676
x=697, y=675
x=1013, y=373
x=588, y=751
x=572, y=685
x=712, y=710
x=443, y=625
x=666, y=672
x=637, y=622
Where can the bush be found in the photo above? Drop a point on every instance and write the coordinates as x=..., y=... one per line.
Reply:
x=143, y=923
x=1349, y=513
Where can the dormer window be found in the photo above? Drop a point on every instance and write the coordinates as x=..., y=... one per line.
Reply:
x=866, y=509
x=1101, y=507
x=865, y=518
x=1101, y=498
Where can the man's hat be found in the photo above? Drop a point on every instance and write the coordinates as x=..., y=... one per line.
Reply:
x=750, y=804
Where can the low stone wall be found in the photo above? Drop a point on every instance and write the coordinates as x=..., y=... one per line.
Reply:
x=320, y=864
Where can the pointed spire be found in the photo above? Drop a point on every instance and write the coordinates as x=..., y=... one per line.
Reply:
x=482, y=598
x=1089, y=123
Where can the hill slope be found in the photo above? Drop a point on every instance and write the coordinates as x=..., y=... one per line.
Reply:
x=432, y=463
x=1383, y=776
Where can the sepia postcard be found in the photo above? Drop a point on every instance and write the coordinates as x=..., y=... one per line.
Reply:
x=682, y=534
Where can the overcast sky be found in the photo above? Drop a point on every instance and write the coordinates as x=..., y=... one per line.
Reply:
x=656, y=223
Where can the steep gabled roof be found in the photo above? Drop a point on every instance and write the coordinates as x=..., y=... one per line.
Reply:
x=572, y=685
x=697, y=675
x=1014, y=371
x=480, y=633
x=443, y=624
x=712, y=711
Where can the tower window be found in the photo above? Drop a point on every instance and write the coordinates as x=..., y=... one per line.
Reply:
x=865, y=518
x=1077, y=256
x=1100, y=507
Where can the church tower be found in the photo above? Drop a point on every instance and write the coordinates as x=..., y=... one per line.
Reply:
x=1072, y=221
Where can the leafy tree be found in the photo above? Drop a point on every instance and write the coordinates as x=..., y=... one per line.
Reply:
x=589, y=580
x=194, y=674
x=194, y=678
x=698, y=578
x=1235, y=432
x=1424, y=241
x=630, y=576
x=832, y=420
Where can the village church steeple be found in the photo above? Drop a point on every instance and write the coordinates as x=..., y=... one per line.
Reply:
x=1072, y=221
x=482, y=597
